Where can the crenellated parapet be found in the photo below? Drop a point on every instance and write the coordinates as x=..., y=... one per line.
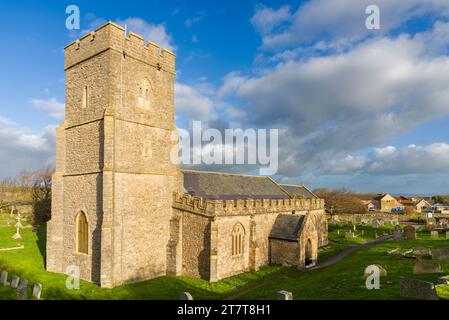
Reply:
x=111, y=36
x=202, y=206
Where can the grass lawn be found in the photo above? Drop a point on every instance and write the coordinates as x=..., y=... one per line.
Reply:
x=343, y=280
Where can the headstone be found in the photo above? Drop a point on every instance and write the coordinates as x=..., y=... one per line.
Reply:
x=37, y=291
x=382, y=271
x=447, y=235
x=338, y=231
x=410, y=233
x=22, y=290
x=440, y=254
x=422, y=251
x=434, y=234
x=15, y=282
x=397, y=235
x=285, y=295
x=4, y=278
x=185, y=296
x=349, y=235
x=418, y=289
x=375, y=224
x=424, y=267
x=443, y=280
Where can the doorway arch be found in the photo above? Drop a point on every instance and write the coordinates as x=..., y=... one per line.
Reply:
x=308, y=253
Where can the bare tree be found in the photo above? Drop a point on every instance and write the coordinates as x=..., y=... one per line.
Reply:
x=341, y=201
x=41, y=196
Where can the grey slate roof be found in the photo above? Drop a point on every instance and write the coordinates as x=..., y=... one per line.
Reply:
x=229, y=186
x=286, y=227
x=298, y=191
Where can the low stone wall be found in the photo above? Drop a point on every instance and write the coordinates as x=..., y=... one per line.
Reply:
x=369, y=217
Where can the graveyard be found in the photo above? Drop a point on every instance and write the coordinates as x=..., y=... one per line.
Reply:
x=345, y=279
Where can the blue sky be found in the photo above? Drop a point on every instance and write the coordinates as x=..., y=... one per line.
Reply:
x=362, y=109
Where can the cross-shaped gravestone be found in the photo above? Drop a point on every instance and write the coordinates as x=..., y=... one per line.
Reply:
x=18, y=226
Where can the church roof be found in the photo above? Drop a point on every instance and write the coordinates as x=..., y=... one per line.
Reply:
x=287, y=226
x=298, y=191
x=231, y=186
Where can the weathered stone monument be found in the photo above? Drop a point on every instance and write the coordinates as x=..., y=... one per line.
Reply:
x=285, y=295
x=418, y=289
x=397, y=233
x=4, y=278
x=409, y=233
x=434, y=234
x=447, y=235
x=440, y=254
x=37, y=291
x=18, y=226
x=185, y=296
x=22, y=290
x=426, y=266
x=15, y=282
x=376, y=224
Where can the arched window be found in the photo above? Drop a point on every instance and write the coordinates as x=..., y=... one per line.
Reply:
x=144, y=94
x=238, y=234
x=82, y=233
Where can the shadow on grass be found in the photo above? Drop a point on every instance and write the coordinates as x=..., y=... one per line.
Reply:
x=42, y=241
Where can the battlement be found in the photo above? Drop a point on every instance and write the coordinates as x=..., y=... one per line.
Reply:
x=111, y=36
x=212, y=208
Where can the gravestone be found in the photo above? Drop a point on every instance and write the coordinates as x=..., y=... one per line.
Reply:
x=15, y=282
x=285, y=295
x=375, y=224
x=382, y=271
x=349, y=234
x=434, y=234
x=443, y=280
x=425, y=267
x=397, y=235
x=185, y=296
x=410, y=233
x=22, y=290
x=4, y=278
x=440, y=254
x=418, y=289
x=447, y=235
x=421, y=251
x=37, y=291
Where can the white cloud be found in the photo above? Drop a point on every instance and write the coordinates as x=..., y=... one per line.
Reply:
x=21, y=149
x=52, y=106
x=193, y=101
x=433, y=158
x=265, y=19
x=154, y=32
x=343, y=22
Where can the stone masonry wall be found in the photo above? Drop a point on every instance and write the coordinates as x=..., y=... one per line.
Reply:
x=285, y=253
x=195, y=245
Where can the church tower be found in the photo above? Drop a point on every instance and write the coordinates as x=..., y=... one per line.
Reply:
x=114, y=179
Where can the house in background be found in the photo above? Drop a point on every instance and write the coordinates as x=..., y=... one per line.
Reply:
x=388, y=203
x=370, y=205
x=422, y=206
x=440, y=208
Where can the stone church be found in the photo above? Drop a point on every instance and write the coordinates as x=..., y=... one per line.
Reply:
x=123, y=212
